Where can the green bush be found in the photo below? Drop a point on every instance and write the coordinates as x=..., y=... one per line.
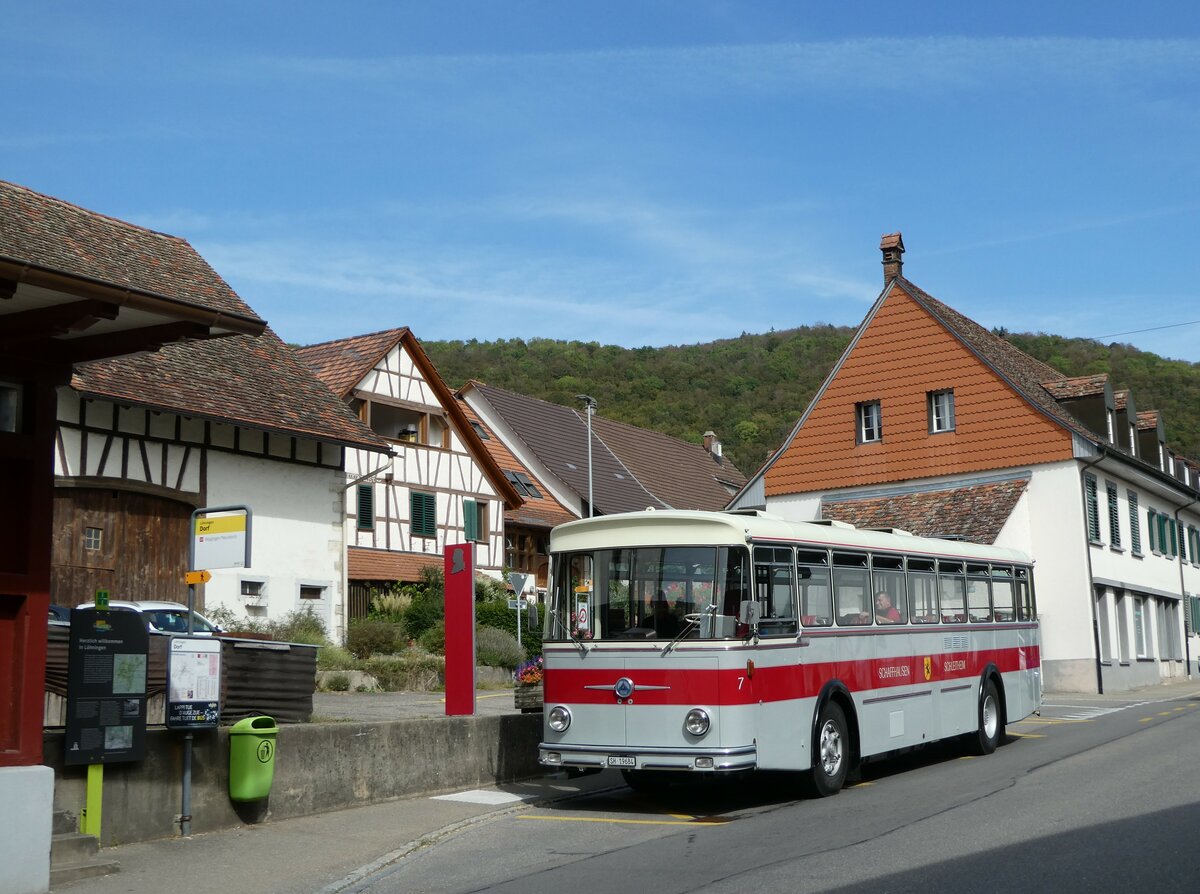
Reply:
x=500, y=616
x=227, y=619
x=434, y=639
x=408, y=671
x=422, y=614
x=496, y=648
x=334, y=657
x=390, y=604
x=338, y=682
x=301, y=626
x=489, y=589
x=374, y=636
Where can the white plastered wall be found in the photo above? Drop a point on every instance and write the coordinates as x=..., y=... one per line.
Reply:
x=297, y=536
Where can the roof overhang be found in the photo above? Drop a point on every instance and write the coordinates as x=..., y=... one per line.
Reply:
x=50, y=320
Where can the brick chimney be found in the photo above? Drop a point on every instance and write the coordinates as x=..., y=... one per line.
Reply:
x=712, y=445
x=892, y=246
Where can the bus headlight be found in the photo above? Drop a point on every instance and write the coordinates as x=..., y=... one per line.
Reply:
x=697, y=722
x=559, y=719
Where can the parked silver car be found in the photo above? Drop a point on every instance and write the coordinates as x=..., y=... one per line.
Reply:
x=165, y=617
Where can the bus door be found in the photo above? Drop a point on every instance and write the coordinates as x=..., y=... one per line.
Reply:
x=776, y=682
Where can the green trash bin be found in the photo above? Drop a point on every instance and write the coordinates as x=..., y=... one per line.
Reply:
x=252, y=758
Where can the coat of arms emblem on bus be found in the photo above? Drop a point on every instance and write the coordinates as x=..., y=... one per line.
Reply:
x=928, y=668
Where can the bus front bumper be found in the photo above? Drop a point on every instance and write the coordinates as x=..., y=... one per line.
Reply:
x=599, y=757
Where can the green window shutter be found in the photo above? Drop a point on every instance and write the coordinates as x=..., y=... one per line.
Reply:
x=424, y=514
x=1170, y=525
x=1152, y=528
x=1183, y=553
x=470, y=520
x=1135, y=524
x=1195, y=613
x=1093, y=512
x=366, y=507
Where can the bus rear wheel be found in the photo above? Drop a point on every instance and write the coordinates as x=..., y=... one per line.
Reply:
x=831, y=751
x=991, y=721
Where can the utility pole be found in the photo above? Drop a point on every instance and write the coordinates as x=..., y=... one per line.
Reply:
x=590, y=404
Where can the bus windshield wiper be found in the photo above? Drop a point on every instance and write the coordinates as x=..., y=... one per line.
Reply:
x=692, y=621
x=563, y=628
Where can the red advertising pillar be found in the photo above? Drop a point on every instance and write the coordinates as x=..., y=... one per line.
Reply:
x=460, y=629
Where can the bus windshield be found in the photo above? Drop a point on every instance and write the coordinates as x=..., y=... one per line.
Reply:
x=648, y=593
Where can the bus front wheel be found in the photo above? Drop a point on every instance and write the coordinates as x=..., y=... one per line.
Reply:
x=831, y=751
x=991, y=723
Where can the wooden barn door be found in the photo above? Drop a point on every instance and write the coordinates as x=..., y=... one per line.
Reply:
x=133, y=545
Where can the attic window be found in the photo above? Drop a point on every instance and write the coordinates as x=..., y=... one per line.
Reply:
x=869, y=421
x=522, y=484
x=481, y=431
x=941, y=411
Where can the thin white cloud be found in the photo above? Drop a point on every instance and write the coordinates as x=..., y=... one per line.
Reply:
x=874, y=64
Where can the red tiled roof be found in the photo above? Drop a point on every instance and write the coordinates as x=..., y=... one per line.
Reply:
x=387, y=565
x=54, y=235
x=1079, y=386
x=976, y=512
x=256, y=382
x=341, y=364
x=1147, y=419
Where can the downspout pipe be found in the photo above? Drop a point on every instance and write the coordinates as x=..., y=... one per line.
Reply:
x=1087, y=551
x=1187, y=648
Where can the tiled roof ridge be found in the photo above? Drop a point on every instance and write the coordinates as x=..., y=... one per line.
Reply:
x=92, y=213
x=399, y=330
x=539, y=400
x=968, y=327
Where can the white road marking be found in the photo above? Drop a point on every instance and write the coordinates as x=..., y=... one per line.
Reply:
x=479, y=796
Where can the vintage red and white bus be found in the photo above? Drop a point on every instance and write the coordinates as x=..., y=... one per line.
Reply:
x=717, y=642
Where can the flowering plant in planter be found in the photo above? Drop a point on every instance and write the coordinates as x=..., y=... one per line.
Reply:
x=530, y=672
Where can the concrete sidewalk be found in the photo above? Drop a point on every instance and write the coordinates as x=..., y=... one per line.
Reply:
x=325, y=853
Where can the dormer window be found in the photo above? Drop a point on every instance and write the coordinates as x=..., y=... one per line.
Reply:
x=408, y=425
x=941, y=411
x=870, y=421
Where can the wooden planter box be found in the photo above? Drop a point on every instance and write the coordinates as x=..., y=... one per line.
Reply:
x=527, y=697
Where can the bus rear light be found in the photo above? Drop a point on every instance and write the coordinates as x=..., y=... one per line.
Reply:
x=696, y=722
x=558, y=719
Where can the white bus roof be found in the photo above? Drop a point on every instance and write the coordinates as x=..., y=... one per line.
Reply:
x=694, y=528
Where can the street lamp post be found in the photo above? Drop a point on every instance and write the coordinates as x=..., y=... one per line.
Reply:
x=590, y=404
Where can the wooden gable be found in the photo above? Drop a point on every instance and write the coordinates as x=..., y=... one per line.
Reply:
x=397, y=376
x=900, y=355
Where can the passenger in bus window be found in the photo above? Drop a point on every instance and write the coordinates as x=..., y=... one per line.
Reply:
x=885, y=612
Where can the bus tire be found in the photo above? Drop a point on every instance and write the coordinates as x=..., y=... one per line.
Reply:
x=831, y=751
x=991, y=720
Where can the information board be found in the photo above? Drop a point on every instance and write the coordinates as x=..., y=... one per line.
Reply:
x=193, y=682
x=106, y=687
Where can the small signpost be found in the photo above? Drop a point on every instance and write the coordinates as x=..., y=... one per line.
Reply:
x=221, y=538
x=519, y=581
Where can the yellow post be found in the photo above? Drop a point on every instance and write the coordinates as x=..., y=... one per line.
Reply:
x=89, y=818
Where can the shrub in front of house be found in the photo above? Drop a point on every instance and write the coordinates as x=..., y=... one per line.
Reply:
x=497, y=648
x=374, y=636
x=501, y=617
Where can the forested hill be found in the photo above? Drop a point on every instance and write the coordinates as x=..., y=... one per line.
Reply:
x=751, y=390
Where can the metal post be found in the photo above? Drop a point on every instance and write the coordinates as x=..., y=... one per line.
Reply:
x=590, y=404
x=185, y=811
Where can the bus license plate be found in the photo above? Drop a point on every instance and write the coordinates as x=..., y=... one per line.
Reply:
x=621, y=760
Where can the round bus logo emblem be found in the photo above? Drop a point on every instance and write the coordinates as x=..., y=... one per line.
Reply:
x=264, y=751
x=624, y=687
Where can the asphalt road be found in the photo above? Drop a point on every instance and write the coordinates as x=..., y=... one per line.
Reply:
x=1089, y=797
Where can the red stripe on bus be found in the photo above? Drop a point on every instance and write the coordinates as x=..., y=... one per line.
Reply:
x=738, y=686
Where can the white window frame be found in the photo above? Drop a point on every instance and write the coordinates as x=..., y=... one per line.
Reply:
x=941, y=411
x=869, y=421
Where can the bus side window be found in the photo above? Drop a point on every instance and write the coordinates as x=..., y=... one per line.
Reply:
x=1002, y=593
x=922, y=591
x=851, y=590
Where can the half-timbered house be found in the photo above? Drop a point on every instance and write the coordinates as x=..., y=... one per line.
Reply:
x=932, y=424
x=438, y=486
x=144, y=440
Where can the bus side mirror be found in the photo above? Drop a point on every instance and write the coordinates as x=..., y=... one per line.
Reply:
x=749, y=612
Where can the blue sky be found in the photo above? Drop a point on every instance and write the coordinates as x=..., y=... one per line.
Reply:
x=634, y=173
